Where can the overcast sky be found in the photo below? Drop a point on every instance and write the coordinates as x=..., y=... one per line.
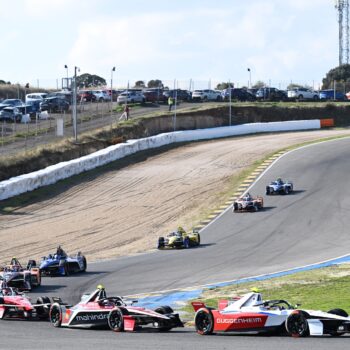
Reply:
x=206, y=41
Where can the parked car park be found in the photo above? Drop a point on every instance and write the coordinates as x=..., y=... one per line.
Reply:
x=271, y=94
x=37, y=96
x=206, y=95
x=86, y=96
x=302, y=94
x=10, y=114
x=154, y=95
x=239, y=94
x=327, y=95
x=180, y=95
x=54, y=104
x=101, y=95
x=10, y=102
x=131, y=97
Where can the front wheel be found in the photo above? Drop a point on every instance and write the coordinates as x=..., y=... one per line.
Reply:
x=338, y=312
x=116, y=320
x=56, y=315
x=43, y=311
x=296, y=325
x=204, y=322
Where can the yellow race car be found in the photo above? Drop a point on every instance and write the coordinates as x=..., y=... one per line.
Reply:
x=180, y=239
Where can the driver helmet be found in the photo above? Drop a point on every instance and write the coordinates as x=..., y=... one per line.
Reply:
x=102, y=292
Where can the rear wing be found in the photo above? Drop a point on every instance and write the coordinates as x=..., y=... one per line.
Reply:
x=197, y=305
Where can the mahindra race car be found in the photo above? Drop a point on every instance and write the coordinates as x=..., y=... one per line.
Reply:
x=248, y=203
x=22, y=278
x=279, y=187
x=251, y=313
x=180, y=239
x=14, y=304
x=60, y=263
x=97, y=310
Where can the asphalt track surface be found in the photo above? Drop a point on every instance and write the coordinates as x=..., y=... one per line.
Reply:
x=305, y=227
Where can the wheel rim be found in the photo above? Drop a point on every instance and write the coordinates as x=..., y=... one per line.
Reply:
x=115, y=320
x=203, y=322
x=296, y=325
x=55, y=315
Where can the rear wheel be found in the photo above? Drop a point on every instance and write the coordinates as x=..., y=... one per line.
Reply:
x=204, y=322
x=338, y=312
x=199, y=239
x=163, y=310
x=161, y=243
x=296, y=325
x=43, y=311
x=84, y=264
x=186, y=242
x=56, y=315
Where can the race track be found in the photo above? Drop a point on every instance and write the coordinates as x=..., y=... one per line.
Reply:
x=308, y=226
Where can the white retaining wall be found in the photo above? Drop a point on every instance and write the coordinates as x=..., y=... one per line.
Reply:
x=54, y=173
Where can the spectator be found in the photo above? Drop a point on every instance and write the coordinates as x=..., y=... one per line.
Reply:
x=170, y=102
x=125, y=114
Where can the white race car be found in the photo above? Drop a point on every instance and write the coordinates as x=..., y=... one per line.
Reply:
x=251, y=313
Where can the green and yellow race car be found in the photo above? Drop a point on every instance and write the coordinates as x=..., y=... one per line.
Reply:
x=180, y=239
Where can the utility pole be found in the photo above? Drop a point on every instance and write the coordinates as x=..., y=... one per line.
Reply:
x=342, y=7
x=74, y=109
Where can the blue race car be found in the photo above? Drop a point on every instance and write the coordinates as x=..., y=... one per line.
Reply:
x=279, y=187
x=60, y=263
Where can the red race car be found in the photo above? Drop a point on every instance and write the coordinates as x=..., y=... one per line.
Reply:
x=97, y=310
x=14, y=304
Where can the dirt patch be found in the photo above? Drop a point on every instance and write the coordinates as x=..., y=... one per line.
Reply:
x=123, y=210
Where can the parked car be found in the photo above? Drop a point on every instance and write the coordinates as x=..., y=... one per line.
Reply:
x=154, y=95
x=301, y=94
x=180, y=95
x=206, y=95
x=11, y=102
x=239, y=94
x=102, y=95
x=65, y=95
x=326, y=95
x=54, y=104
x=271, y=94
x=38, y=96
x=10, y=114
x=86, y=96
x=131, y=97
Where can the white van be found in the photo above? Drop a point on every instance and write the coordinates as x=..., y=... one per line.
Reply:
x=38, y=96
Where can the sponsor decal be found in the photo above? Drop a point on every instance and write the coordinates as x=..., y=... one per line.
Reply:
x=239, y=320
x=91, y=317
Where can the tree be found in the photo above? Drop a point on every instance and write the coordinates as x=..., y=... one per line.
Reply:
x=339, y=74
x=90, y=80
x=259, y=84
x=2, y=82
x=140, y=84
x=222, y=86
x=156, y=83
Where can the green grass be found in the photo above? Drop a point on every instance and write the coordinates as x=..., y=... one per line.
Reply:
x=320, y=289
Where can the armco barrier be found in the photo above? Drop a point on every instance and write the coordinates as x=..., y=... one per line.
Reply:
x=52, y=174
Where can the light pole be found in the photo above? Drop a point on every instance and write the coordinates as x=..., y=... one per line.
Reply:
x=250, y=77
x=74, y=109
x=67, y=83
x=113, y=70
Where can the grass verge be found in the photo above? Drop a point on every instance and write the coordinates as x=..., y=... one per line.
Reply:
x=320, y=289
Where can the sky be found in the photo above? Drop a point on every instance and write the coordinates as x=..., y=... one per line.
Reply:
x=184, y=43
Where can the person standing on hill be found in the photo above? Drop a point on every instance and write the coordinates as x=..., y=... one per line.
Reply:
x=170, y=102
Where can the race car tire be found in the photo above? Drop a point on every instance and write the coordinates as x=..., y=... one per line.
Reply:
x=31, y=263
x=296, y=324
x=186, y=242
x=42, y=311
x=199, y=239
x=267, y=191
x=164, y=310
x=161, y=243
x=235, y=206
x=55, y=315
x=116, y=320
x=204, y=322
x=84, y=264
x=338, y=312
x=2, y=300
x=286, y=190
